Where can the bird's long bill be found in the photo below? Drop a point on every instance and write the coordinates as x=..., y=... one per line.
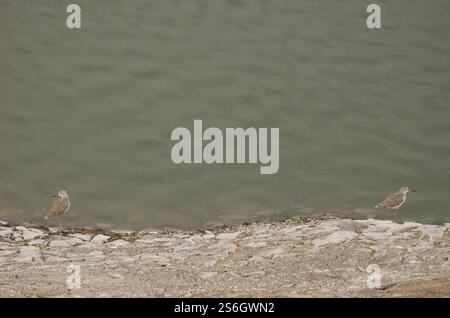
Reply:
x=54, y=196
x=411, y=190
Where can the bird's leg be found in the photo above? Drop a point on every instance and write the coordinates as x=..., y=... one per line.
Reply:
x=60, y=224
x=395, y=213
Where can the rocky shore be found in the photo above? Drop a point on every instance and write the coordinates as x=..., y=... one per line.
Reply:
x=298, y=257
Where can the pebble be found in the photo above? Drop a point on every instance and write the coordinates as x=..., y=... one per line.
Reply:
x=99, y=238
x=36, y=242
x=28, y=254
x=31, y=234
x=209, y=236
x=66, y=243
x=83, y=237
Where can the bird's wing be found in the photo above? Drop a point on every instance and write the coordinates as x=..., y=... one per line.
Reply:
x=393, y=199
x=58, y=207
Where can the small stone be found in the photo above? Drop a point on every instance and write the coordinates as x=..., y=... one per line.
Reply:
x=66, y=243
x=100, y=238
x=28, y=259
x=3, y=223
x=53, y=230
x=29, y=254
x=83, y=237
x=256, y=259
x=121, y=231
x=276, y=252
x=150, y=230
x=155, y=240
x=36, y=242
x=231, y=248
x=31, y=234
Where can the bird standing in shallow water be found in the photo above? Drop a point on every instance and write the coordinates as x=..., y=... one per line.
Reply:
x=60, y=206
x=395, y=200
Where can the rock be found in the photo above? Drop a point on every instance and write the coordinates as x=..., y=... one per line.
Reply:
x=6, y=232
x=335, y=238
x=256, y=259
x=36, y=242
x=28, y=254
x=95, y=256
x=227, y=236
x=83, y=237
x=54, y=230
x=155, y=240
x=121, y=231
x=31, y=234
x=27, y=259
x=99, y=238
x=231, y=249
x=17, y=236
x=3, y=223
x=274, y=252
x=433, y=231
x=209, y=235
x=66, y=243
x=118, y=243
x=150, y=230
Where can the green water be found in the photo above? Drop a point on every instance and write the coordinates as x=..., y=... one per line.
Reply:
x=361, y=112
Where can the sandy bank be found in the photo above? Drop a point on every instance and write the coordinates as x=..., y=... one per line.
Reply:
x=292, y=258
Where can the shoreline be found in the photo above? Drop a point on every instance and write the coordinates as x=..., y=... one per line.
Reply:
x=294, y=257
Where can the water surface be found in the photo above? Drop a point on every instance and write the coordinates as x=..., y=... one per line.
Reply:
x=361, y=112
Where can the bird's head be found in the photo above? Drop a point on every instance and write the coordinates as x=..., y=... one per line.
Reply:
x=62, y=194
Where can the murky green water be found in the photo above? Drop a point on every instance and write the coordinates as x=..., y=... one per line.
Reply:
x=361, y=112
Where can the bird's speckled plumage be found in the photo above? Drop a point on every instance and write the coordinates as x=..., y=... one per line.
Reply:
x=60, y=206
x=394, y=200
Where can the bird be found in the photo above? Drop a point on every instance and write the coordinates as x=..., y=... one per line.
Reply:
x=60, y=206
x=395, y=200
